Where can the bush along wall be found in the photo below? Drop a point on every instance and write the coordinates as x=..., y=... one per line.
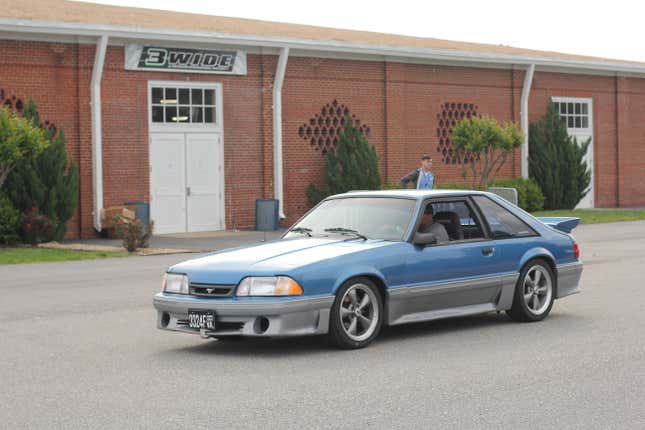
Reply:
x=556, y=162
x=352, y=166
x=49, y=182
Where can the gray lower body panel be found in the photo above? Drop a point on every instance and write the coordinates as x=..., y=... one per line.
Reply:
x=569, y=279
x=293, y=317
x=450, y=299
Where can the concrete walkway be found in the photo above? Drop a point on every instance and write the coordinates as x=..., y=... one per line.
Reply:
x=198, y=242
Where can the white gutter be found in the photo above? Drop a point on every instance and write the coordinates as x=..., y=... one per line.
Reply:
x=164, y=34
x=524, y=119
x=97, y=148
x=277, y=129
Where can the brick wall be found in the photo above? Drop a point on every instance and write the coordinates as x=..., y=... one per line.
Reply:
x=48, y=73
x=399, y=102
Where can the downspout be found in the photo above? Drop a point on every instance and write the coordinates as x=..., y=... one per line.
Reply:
x=97, y=151
x=277, y=129
x=524, y=118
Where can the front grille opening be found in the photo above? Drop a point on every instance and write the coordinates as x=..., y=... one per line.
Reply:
x=211, y=290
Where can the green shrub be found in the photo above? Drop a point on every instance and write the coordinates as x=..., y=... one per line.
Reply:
x=20, y=139
x=37, y=227
x=556, y=162
x=49, y=181
x=9, y=221
x=529, y=194
x=353, y=166
x=455, y=187
x=387, y=185
x=135, y=234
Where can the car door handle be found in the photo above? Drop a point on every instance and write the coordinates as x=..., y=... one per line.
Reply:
x=488, y=250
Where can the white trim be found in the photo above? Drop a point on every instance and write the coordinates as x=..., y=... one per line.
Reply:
x=524, y=119
x=589, y=131
x=277, y=129
x=159, y=34
x=191, y=128
x=97, y=142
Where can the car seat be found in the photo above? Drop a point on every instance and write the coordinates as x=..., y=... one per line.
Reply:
x=452, y=223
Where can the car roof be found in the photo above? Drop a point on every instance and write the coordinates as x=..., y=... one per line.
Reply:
x=414, y=194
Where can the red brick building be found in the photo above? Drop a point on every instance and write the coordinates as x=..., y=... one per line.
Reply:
x=193, y=114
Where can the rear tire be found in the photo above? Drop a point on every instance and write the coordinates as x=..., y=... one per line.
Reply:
x=357, y=314
x=534, y=292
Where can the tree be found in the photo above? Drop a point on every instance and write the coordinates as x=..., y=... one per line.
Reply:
x=353, y=166
x=485, y=145
x=556, y=162
x=48, y=182
x=19, y=140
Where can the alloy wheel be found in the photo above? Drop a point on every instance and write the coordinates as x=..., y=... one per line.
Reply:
x=359, y=312
x=537, y=289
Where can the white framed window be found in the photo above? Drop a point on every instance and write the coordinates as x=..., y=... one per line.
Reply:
x=576, y=113
x=177, y=105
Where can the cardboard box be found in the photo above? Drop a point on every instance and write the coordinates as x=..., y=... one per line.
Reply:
x=109, y=215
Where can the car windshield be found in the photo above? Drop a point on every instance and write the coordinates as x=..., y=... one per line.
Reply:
x=368, y=217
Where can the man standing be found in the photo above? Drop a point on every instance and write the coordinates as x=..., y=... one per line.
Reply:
x=421, y=177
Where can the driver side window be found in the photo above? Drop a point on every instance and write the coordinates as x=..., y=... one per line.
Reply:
x=455, y=217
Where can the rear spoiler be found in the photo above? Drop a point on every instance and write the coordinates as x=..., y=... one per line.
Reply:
x=564, y=224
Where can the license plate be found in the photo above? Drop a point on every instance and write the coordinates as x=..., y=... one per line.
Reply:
x=201, y=319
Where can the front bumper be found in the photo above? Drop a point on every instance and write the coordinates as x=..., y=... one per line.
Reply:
x=268, y=317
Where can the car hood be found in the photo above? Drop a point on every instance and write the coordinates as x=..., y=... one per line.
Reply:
x=267, y=259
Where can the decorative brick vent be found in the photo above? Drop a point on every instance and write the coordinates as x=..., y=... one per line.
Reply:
x=449, y=114
x=324, y=128
x=11, y=102
x=15, y=104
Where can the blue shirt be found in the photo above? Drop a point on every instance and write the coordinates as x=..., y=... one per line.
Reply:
x=426, y=180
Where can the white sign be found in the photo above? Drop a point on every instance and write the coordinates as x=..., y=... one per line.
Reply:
x=185, y=60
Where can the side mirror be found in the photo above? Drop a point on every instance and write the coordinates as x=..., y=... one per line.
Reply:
x=424, y=239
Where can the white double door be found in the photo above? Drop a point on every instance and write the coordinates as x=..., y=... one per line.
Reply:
x=186, y=182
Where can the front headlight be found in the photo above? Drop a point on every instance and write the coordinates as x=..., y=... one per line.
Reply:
x=175, y=283
x=268, y=286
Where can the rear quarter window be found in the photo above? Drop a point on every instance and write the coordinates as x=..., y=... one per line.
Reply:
x=502, y=222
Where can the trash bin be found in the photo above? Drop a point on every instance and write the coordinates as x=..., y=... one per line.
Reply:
x=142, y=211
x=266, y=214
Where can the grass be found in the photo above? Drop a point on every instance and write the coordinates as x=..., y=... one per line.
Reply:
x=42, y=255
x=593, y=216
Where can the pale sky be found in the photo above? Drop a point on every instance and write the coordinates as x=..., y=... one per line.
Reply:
x=611, y=29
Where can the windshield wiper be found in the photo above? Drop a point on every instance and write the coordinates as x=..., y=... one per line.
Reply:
x=303, y=230
x=342, y=230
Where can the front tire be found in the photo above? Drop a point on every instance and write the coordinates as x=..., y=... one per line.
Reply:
x=356, y=315
x=534, y=293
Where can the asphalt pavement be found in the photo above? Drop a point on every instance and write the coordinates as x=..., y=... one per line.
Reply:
x=79, y=349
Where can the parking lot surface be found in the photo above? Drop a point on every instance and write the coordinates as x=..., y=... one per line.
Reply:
x=79, y=349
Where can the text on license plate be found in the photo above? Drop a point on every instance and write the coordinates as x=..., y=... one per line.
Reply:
x=201, y=319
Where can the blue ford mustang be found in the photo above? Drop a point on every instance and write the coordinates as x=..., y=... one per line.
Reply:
x=361, y=260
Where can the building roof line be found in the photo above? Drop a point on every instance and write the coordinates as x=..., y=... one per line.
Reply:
x=419, y=53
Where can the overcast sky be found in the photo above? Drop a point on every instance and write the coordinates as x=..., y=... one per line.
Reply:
x=610, y=29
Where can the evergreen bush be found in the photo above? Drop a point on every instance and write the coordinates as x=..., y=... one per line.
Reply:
x=556, y=162
x=9, y=221
x=353, y=166
x=48, y=182
x=37, y=228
